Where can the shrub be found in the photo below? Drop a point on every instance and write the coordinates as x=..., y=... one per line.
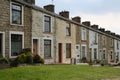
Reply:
x=29, y=59
x=26, y=50
x=21, y=58
x=84, y=60
x=103, y=62
x=1, y=56
x=14, y=63
x=38, y=59
x=4, y=61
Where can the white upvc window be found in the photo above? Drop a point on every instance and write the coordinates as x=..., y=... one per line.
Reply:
x=47, y=28
x=68, y=29
x=104, y=41
x=84, y=51
x=48, y=48
x=83, y=33
x=111, y=42
x=16, y=40
x=16, y=14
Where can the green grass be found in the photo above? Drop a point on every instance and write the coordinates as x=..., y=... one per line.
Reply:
x=59, y=72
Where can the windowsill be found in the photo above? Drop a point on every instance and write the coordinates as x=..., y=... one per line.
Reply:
x=13, y=56
x=16, y=24
x=68, y=36
x=84, y=40
x=48, y=58
x=111, y=46
x=47, y=32
x=68, y=57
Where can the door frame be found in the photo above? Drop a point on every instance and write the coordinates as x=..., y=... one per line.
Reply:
x=3, y=43
x=77, y=53
x=38, y=44
x=60, y=52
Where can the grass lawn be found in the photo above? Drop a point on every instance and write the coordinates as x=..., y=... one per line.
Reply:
x=59, y=72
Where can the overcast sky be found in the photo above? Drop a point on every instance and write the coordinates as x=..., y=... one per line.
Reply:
x=105, y=13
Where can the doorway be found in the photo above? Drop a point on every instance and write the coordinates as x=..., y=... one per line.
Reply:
x=60, y=52
x=77, y=53
x=35, y=46
x=1, y=44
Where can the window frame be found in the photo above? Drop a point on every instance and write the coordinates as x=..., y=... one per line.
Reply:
x=17, y=33
x=82, y=51
x=51, y=48
x=84, y=33
x=3, y=43
x=50, y=24
x=70, y=46
x=22, y=14
x=68, y=29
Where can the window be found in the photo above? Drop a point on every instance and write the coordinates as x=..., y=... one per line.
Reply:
x=104, y=54
x=117, y=44
x=111, y=55
x=95, y=38
x=118, y=57
x=68, y=50
x=83, y=51
x=47, y=24
x=47, y=48
x=111, y=42
x=95, y=53
x=16, y=11
x=104, y=41
x=68, y=33
x=16, y=44
x=83, y=33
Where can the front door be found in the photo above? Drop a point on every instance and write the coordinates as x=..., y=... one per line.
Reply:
x=60, y=52
x=35, y=46
x=77, y=53
x=1, y=47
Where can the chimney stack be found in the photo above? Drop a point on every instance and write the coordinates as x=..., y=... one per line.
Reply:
x=30, y=1
x=49, y=7
x=77, y=19
x=64, y=14
x=113, y=34
x=95, y=26
x=86, y=23
x=108, y=32
x=102, y=29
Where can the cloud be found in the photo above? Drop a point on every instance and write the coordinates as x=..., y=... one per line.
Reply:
x=109, y=21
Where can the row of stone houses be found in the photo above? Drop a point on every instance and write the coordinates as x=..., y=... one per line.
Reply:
x=55, y=37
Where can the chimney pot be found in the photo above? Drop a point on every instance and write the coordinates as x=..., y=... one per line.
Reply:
x=77, y=19
x=95, y=26
x=49, y=7
x=64, y=14
x=87, y=23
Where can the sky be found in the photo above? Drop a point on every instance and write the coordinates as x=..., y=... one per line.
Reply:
x=105, y=13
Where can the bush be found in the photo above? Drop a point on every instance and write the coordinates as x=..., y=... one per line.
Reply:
x=1, y=56
x=21, y=58
x=103, y=62
x=29, y=59
x=4, y=61
x=84, y=60
x=14, y=63
x=26, y=50
x=38, y=59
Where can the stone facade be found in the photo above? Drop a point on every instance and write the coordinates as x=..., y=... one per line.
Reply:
x=38, y=33
x=63, y=39
x=33, y=35
x=7, y=27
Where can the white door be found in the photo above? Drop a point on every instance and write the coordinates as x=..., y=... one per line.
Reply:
x=77, y=53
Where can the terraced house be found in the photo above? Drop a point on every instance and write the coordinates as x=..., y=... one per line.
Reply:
x=55, y=37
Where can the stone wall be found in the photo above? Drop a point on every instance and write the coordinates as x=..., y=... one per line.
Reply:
x=6, y=27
